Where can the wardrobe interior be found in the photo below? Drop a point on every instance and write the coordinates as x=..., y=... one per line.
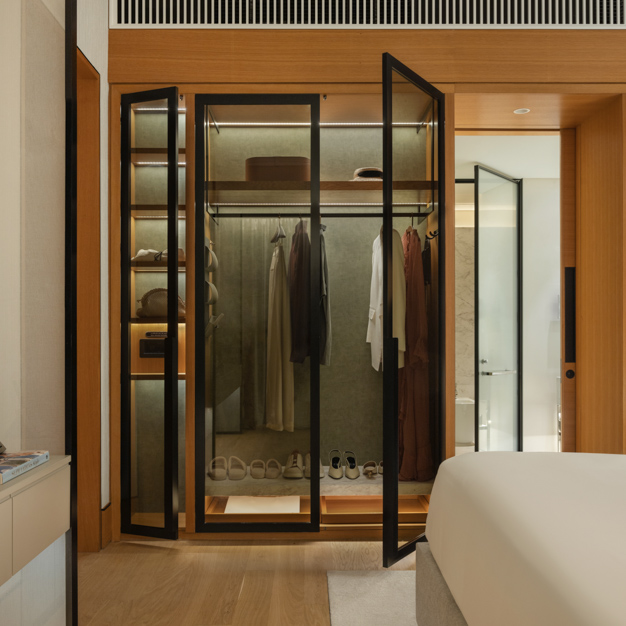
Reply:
x=242, y=215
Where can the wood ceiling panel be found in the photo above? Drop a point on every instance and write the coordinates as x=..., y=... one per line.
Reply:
x=547, y=111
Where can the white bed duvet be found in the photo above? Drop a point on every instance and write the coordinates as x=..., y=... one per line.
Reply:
x=532, y=538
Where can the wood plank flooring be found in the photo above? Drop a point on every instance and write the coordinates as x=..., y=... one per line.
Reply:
x=216, y=584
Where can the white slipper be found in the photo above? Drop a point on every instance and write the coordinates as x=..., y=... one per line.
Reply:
x=380, y=467
x=217, y=468
x=257, y=469
x=237, y=469
x=273, y=469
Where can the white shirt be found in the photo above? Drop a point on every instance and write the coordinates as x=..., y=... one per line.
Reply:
x=375, y=324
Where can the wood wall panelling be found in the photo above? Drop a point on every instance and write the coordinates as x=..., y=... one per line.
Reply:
x=600, y=282
x=568, y=259
x=454, y=56
x=115, y=304
x=88, y=306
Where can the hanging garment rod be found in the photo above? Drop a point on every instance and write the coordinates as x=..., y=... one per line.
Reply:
x=322, y=215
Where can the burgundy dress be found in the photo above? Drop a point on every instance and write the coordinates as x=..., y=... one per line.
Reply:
x=416, y=461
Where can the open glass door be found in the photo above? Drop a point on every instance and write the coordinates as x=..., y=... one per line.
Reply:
x=498, y=290
x=151, y=312
x=413, y=301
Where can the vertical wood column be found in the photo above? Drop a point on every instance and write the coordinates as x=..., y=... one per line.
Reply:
x=450, y=318
x=600, y=289
x=88, y=306
x=568, y=259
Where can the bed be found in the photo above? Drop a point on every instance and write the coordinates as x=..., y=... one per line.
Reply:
x=532, y=538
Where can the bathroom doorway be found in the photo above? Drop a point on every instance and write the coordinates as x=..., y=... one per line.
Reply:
x=507, y=292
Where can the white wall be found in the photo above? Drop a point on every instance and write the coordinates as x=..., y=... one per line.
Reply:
x=32, y=240
x=541, y=322
x=10, y=205
x=93, y=41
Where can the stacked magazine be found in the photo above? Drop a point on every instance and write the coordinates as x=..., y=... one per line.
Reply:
x=14, y=464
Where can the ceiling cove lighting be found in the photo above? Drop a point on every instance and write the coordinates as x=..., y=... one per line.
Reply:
x=521, y=111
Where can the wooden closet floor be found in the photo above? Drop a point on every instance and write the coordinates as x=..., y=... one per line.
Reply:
x=216, y=584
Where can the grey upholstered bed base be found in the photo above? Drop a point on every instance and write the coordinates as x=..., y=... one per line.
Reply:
x=435, y=605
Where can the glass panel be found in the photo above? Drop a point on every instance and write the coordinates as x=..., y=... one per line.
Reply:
x=255, y=291
x=149, y=426
x=497, y=258
x=414, y=285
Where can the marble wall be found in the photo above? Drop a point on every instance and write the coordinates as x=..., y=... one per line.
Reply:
x=464, y=298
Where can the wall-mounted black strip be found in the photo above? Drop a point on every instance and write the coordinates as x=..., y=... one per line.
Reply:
x=570, y=314
x=71, y=401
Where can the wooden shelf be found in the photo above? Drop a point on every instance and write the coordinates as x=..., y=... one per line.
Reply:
x=154, y=150
x=154, y=320
x=325, y=185
x=153, y=266
x=369, y=509
x=141, y=208
x=181, y=376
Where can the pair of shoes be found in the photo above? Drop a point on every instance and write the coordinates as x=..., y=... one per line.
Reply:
x=336, y=466
x=218, y=470
x=296, y=468
x=370, y=468
x=261, y=469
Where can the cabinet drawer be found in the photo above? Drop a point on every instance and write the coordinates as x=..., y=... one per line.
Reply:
x=41, y=514
x=6, y=536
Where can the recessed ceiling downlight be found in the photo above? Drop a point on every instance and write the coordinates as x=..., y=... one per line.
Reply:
x=521, y=111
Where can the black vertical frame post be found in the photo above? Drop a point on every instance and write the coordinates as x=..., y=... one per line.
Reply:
x=201, y=210
x=170, y=480
x=170, y=413
x=520, y=302
x=391, y=551
x=71, y=402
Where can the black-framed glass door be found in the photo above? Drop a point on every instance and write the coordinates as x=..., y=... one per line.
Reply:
x=413, y=299
x=257, y=342
x=498, y=310
x=151, y=312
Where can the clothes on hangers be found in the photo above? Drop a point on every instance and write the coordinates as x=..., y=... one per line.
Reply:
x=300, y=293
x=415, y=449
x=426, y=261
x=279, y=396
x=375, y=322
x=325, y=327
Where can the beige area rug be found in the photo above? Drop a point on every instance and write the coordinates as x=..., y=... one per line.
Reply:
x=372, y=598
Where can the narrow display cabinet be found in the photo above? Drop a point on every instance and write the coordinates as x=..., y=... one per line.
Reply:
x=153, y=312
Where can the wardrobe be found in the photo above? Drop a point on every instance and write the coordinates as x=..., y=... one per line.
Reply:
x=256, y=174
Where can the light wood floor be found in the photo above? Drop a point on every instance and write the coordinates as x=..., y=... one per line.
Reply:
x=216, y=584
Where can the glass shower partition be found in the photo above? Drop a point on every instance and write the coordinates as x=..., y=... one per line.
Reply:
x=257, y=313
x=498, y=310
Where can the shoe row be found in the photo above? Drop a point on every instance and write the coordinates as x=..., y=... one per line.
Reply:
x=347, y=460
x=236, y=469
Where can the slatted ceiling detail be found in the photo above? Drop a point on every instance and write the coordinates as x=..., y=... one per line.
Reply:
x=367, y=13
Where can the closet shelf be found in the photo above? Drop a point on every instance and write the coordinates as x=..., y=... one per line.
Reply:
x=155, y=376
x=153, y=266
x=154, y=320
x=325, y=185
x=154, y=150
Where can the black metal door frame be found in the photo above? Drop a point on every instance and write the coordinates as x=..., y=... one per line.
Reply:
x=391, y=552
x=201, y=102
x=170, y=434
x=520, y=302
